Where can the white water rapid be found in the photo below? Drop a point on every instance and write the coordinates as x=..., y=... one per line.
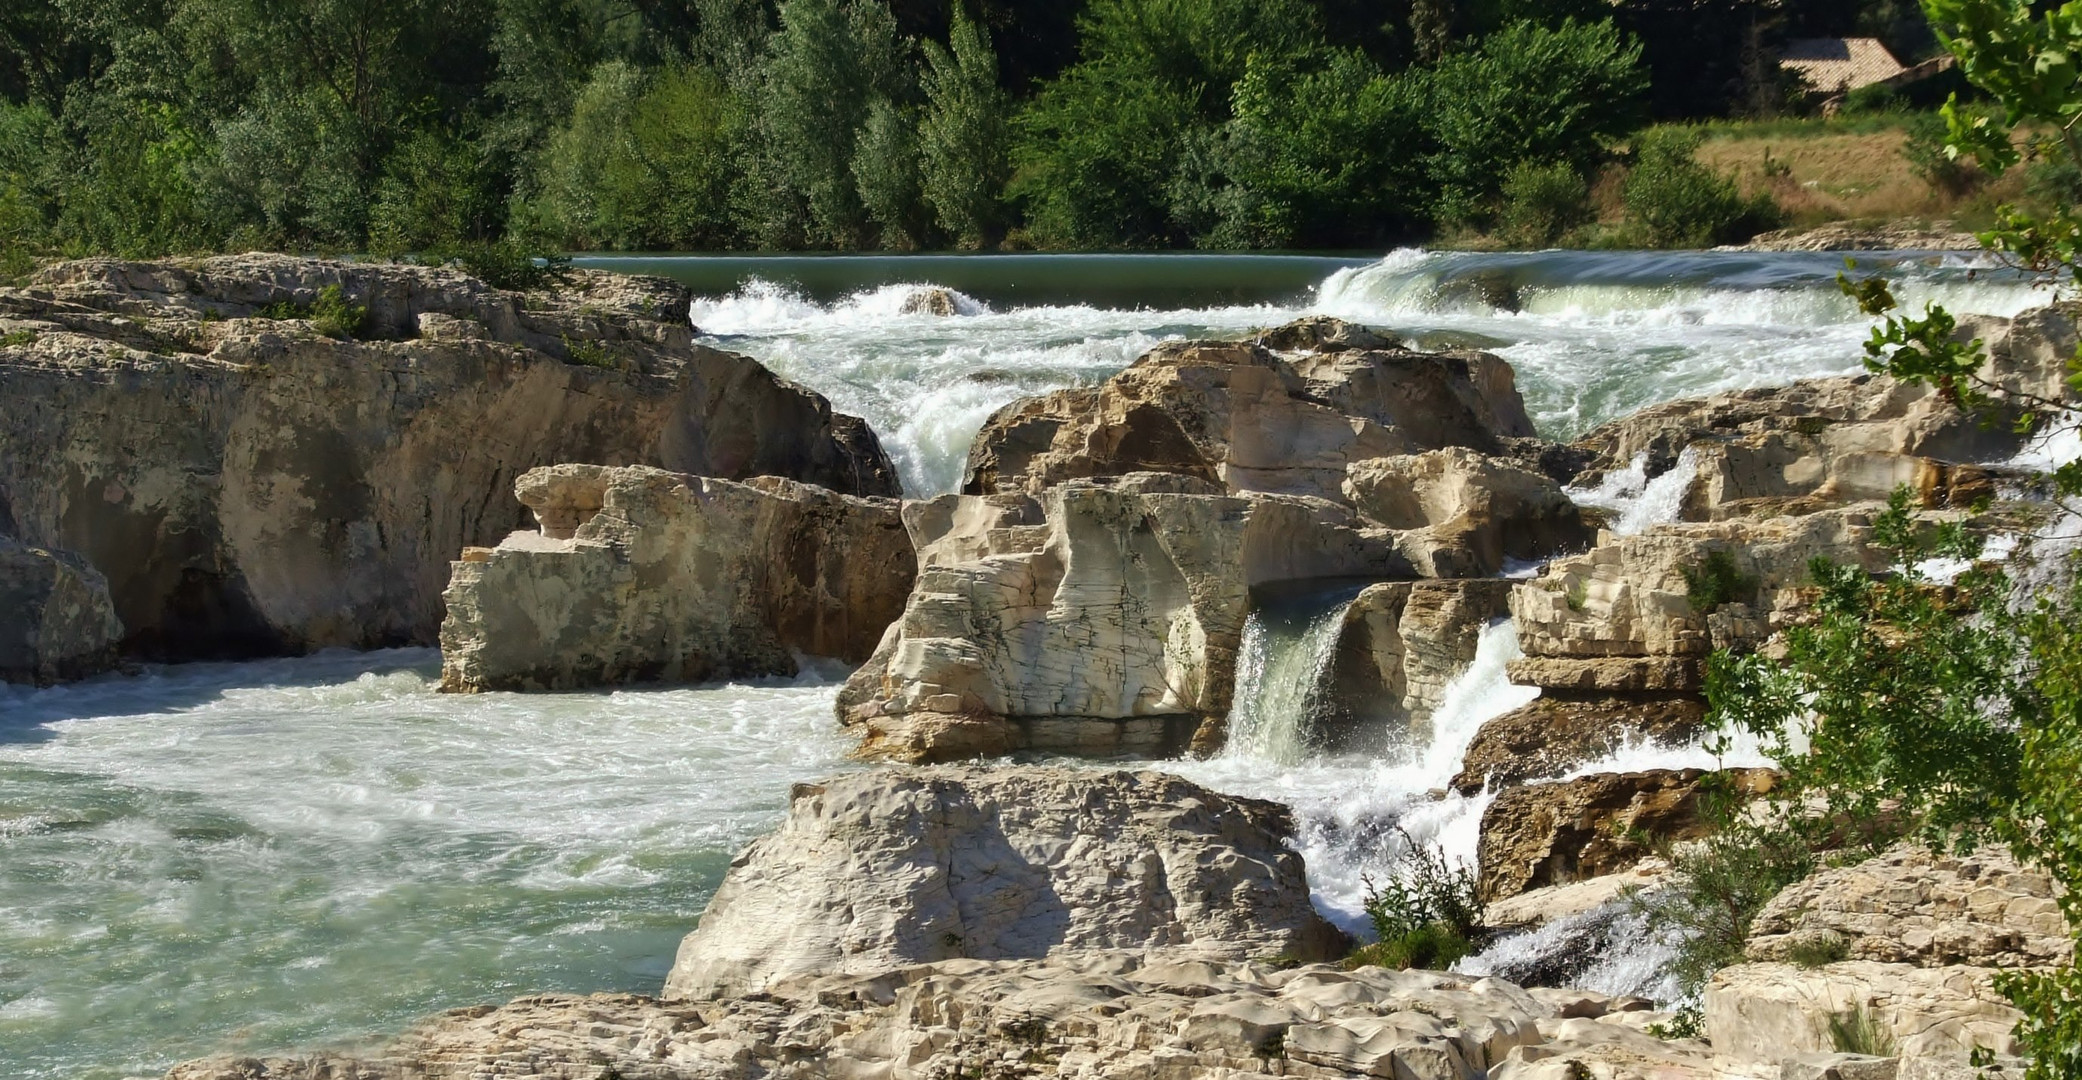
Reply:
x=316, y=851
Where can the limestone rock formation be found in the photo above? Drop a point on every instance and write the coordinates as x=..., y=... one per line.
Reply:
x=1100, y=617
x=1401, y=644
x=1121, y=1016
x=1558, y=732
x=1840, y=426
x=640, y=574
x=1248, y=419
x=1770, y=1011
x=248, y=485
x=1466, y=515
x=59, y=623
x=1629, y=597
x=1908, y=906
x=1551, y=834
x=902, y=866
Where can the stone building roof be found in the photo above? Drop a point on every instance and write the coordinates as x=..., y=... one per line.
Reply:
x=1836, y=65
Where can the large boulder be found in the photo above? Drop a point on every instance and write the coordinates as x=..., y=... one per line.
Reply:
x=1768, y=1012
x=1838, y=431
x=1630, y=597
x=1557, y=733
x=1572, y=830
x=1910, y=906
x=1101, y=617
x=1466, y=515
x=903, y=866
x=60, y=624
x=641, y=574
x=248, y=485
x=1399, y=646
x=1239, y=415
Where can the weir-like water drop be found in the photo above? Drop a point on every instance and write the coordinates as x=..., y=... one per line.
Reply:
x=1281, y=672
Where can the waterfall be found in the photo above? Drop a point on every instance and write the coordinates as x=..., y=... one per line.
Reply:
x=1280, y=671
x=1637, y=502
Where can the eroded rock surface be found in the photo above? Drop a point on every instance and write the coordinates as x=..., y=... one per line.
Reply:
x=1908, y=906
x=1464, y=515
x=1402, y=643
x=58, y=622
x=1538, y=835
x=1121, y=1016
x=638, y=574
x=905, y=866
x=1557, y=733
x=1771, y=1011
x=1103, y=616
x=1239, y=415
x=250, y=486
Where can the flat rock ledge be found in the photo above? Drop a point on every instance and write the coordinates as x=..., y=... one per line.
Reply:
x=1107, y=1014
x=638, y=574
x=902, y=866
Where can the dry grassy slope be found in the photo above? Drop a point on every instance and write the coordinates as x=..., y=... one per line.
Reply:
x=1831, y=176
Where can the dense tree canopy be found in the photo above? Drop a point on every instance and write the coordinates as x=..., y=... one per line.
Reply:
x=152, y=126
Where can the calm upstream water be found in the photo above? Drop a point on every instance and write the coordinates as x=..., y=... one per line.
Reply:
x=293, y=853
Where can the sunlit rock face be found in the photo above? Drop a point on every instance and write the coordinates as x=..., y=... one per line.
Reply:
x=248, y=485
x=640, y=575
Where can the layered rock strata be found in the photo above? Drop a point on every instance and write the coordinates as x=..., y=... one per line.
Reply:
x=905, y=866
x=59, y=622
x=638, y=574
x=249, y=485
x=1099, y=617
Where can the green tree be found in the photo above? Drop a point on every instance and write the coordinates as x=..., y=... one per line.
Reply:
x=1100, y=146
x=828, y=66
x=885, y=166
x=1529, y=93
x=965, y=134
x=1328, y=157
x=1673, y=201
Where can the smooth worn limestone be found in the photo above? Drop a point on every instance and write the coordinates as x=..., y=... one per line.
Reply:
x=1246, y=418
x=248, y=486
x=1102, y=617
x=902, y=866
x=639, y=574
x=1106, y=1014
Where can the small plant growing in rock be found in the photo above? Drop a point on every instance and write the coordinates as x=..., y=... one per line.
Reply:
x=1423, y=911
x=1715, y=582
x=334, y=317
x=1685, y=1023
x=1577, y=595
x=588, y=353
x=1859, y=1031
x=1818, y=950
x=17, y=339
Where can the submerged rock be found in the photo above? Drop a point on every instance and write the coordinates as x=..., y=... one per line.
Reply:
x=59, y=623
x=906, y=866
x=640, y=574
x=1238, y=415
x=249, y=485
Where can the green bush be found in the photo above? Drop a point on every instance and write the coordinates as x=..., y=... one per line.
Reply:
x=1924, y=149
x=1422, y=911
x=1529, y=93
x=1673, y=201
x=1715, y=581
x=1859, y=1031
x=1542, y=204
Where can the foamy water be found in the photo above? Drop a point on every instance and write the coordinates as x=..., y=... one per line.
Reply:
x=1593, y=336
x=309, y=852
